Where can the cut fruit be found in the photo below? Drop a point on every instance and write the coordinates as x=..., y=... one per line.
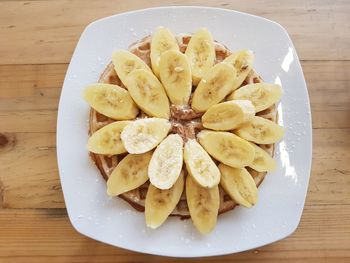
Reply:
x=107, y=139
x=175, y=74
x=203, y=204
x=160, y=203
x=228, y=115
x=214, y=87
x=129, y=174
x=261, y=131
x=143, y=135
x=201, y=54
x=199, y=164
x=111, y=101
x=148, y=93
x=166, y=162
x=262, y=95
x=239, y=185
x=126, y=62
x=242, y=61
x=262, y=162
x=227, y=148
x=162, y=40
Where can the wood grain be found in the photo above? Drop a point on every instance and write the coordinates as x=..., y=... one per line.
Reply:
x=37, y=41
x=318, y=28
x=46, y=235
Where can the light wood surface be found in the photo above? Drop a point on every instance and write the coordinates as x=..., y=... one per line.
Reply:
x=37, y=41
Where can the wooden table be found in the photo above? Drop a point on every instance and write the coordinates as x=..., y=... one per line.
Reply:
x=37, y=39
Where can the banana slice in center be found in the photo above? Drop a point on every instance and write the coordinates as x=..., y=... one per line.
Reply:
x=175, y=74
x=214, y=87
x=143, y=135
x=166, y=162
x=200, y=165
x=162, y=41
x=227, y=148
x=148, y=93
x=261, y=131
x=201, y=54
x=228, y=115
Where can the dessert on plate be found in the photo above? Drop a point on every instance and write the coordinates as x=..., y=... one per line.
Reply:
x=180, y=125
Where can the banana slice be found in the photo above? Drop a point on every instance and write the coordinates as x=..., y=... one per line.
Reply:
x=262, y=162
x=175, y=74
x=148, y=93
x=166, y=162
x=107, y=139
x=201, y=54
x=261, y=131
x=239, y=184
x=160, y=203
x=143, y=135
x=228, y=115
x=126, y=62
x=262, y=95
x=111, y=101
x=227, y=148
x=200, y=165
x=214, y=87
x=162, y=40
x=203, y=204
x=129, y=174
x=242, y=61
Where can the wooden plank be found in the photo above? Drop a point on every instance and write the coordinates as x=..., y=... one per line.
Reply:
x=329, y=91
x=28, y=171
x=47, y=31
x=46, y=235
x=28, y=101
x=28, y=162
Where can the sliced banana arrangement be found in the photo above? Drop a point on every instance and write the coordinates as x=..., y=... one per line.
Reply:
x=148, y=93
x=160, y=203
x=227, y=148
x=126, y=62
x=111, y=101
x=201, y=54
x=129, y=174
x=261, y=131
x=143, y=135
x=261, y=95
x=175, y=74
x=242, y=61
x=166, y=162
x=228, y=115
x=162, y=40
x=187, y=131
x=107, y=139
x=213, y=87
x=239, y=184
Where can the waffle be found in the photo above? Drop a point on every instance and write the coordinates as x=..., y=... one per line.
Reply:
x=106, y=164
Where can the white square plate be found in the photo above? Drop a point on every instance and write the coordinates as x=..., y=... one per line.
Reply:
x=281, y=195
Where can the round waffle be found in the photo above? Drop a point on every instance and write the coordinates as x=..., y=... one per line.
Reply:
x=106, y=164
